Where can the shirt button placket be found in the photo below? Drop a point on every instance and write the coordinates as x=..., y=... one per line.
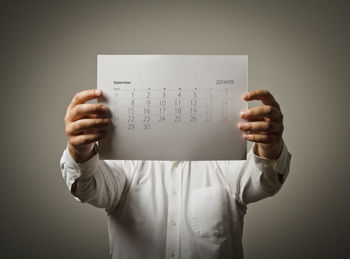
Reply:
x=174, y=212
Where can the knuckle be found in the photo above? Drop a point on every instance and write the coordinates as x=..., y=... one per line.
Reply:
x=77, y=110
x=77, y=126
x=67, y=130
x=71, y=129
x=76, y=97
x=68, y=116
x=282, y=116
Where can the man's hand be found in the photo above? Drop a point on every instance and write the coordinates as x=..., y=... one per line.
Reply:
x=85, y=124
x=264, y=124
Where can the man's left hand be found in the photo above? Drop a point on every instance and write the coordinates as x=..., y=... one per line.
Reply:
x=264, y=124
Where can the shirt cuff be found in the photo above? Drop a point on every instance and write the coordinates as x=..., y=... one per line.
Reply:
x=279, y=165
x=81, y=170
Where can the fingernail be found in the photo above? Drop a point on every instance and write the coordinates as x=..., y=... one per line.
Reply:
x=98, y=91
x=243, y=113
x=245, y=136
x=241, y=125
x=246, y=96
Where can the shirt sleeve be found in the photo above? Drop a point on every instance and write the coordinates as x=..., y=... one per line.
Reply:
x=97, y=182
x=258, y=177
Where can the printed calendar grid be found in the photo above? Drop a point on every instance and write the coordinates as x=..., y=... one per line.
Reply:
x=130, y=109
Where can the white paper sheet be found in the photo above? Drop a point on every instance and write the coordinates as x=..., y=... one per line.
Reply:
x=173, y=107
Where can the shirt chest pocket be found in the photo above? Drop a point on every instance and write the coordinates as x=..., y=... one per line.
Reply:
x=208, y=212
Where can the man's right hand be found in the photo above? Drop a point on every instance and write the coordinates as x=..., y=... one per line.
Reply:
x=85, y=124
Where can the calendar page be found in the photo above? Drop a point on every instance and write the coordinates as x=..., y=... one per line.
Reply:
x=173, y=107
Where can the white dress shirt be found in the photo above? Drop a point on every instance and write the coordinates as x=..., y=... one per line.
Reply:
x=175, y=209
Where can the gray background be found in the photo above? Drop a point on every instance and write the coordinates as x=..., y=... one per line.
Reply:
x=298, y=50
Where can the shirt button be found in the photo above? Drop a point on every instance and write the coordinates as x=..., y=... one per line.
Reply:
x=266, y=165
x=174, y=223
x=174, y=193
x=172, y=254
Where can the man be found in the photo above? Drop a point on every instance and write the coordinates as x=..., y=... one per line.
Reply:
x=167, y=209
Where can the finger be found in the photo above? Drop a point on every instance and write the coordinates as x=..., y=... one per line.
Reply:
x=262, y=138
x=262, y=111
x=94, y=130
x=96, y=115
x=81, y=140
x=86, y=109
x=78, y=127
x=265, y=127
x=257, y=118
x=265, y=96
x=84, y=96
x=252, y=119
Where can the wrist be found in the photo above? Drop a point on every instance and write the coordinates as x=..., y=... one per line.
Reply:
x=269, y=151
x=79, y=156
